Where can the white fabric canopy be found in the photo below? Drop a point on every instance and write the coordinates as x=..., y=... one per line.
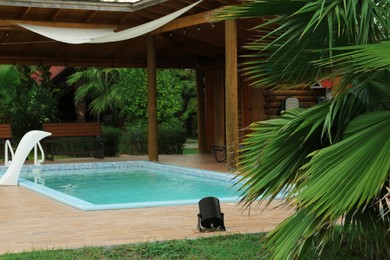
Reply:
x=68, y=35
x=79, y=36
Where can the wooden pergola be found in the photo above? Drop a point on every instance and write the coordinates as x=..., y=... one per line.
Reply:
x=193, y=40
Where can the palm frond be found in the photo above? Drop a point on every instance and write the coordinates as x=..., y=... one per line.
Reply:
x=98, y=84
x=292, y=237
x=386, y=202
x=348, y=173
x=340, y=179
x=284, y=53
x=358, y=59
x=270, y=158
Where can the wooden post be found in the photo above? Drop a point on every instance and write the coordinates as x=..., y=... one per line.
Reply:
x=152, y=102
x=201, y=111
x=231, y=93
x=219, y=107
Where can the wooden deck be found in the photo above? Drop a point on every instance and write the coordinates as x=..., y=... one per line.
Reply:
x=31, y=221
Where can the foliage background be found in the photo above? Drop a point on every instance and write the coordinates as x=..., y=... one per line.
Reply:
x=29, y=99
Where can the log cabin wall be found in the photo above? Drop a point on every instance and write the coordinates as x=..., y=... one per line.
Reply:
x=274, y=98
x=255, y=104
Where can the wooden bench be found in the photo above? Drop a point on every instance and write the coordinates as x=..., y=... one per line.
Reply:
x=77, y=133
x=5, y=134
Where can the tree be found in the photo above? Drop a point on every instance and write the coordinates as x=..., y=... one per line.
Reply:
x=124, y=91
x=8, y=80
x=33, y=100
x=330, y=161
x=98, y=85
x=187, y=80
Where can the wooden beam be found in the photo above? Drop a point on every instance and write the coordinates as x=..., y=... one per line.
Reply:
x=74, y=5
x=186, y=21
x=13, y=24
x=73, y=62
x=218, y=85
x=85, y=5
x=231, y=93
x=89, y=62
x=180, y=23
x=152, y=102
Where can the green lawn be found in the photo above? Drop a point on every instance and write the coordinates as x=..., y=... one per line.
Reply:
x=217, y=247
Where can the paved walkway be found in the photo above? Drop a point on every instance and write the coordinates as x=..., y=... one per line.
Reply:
x=31, y=221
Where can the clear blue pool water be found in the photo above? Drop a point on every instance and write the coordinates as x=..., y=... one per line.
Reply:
x=97, y=186
x=135, y=185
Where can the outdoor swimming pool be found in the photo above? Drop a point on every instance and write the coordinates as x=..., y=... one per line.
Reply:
x=119, y=185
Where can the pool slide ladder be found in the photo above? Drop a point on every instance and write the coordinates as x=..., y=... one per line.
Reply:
x=29, y=141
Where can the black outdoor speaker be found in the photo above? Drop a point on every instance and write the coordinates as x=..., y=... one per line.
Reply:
x=210, y=217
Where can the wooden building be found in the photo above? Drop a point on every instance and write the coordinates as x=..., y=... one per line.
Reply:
x=191, y=40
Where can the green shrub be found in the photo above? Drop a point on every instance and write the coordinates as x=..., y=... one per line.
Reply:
x=111, y=137
x=171, y=139
x=134, y=140
x=76, y=146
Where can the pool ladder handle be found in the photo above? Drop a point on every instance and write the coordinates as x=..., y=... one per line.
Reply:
x=9, y=150
x=36, y=160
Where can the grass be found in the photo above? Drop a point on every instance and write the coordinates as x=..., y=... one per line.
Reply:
x=235, y=246
x=190, y=151
x=218, y=247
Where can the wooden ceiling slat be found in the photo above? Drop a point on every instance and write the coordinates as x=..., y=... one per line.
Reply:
x=131, y=18
x=90, y=16
x=24, y=14
x=56, y=13
x=175, y=48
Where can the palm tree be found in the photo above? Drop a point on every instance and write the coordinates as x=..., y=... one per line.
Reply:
x=98, y=84
x=331, y=161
